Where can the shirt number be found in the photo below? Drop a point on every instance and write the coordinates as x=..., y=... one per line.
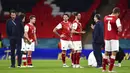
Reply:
x=109, y=26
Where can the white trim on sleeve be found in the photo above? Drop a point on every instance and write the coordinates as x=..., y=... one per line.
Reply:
x=26, y=28
x=59, y=26
x=118, y=22
x=74, y=26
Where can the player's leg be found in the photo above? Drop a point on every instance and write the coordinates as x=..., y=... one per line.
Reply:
x=78, y=53
x=64, y=47
x=29, y=58
x=24, y=58
x=29, y=55
x=73, y=44
x=72, y=52
x=24, y=53
x=115, y=48
x=64, y=58
x=106, y=55
x=72, y=56
x=74, y=59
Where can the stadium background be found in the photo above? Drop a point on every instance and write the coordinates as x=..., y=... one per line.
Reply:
x=49, y=14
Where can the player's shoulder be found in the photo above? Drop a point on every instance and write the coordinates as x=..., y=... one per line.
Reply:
x=27, y=25
x=107, y=16
x=61, y=22
x=75, y=22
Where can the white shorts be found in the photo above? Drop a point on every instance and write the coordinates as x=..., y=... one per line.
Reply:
x=65, y=45
x=27, y=47
x=77, y=45
x=111, y=45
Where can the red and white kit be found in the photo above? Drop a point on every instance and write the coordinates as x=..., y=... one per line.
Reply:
x=31, y=32
x=111, y=33
x=76, y=38
x=66, y=31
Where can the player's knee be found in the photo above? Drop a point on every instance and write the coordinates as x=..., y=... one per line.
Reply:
x=107, y=53
x=114, y=53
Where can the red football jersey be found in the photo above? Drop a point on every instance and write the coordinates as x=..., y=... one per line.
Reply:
x=65, y=30
x=77, y=27
x=31, y=32
x=110, y=28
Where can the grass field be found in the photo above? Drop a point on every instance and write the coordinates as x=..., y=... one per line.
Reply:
x=55, y=66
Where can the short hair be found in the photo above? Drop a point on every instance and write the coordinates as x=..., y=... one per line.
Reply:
x=12, y=11
x=32, y=16
x=98, y=16
x=76, y=13
x=116, y=10
x=66, y=15
x=22, y=16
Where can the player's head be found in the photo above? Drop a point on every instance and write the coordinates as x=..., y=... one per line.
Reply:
x=22, y=16
x=97, y=17
x=116, y=11
x=32, y=19
x=65, y=17
x=77, y=16
x=13, y=14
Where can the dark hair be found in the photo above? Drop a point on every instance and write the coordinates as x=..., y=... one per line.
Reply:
x=12, y=11
x=32, y=16
x=66, y=15
x=98, y=16
x=116, y=10
x=76, y=13
x=22, y=16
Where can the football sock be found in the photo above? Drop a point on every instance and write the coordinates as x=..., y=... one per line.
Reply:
x=112, y=61
x=63, y=58
x=105, y=62
x=24, y=59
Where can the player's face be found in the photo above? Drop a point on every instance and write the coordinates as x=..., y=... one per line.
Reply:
x=13, y=15
x=117, y=14
x=95, y=18
x=23, y=19
x=79, y=16
x=33, y=20
x=65, y=18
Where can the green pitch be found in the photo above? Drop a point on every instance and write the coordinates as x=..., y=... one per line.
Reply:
x=55, y=66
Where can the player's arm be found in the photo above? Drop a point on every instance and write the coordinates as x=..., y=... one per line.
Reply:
x=74, y=27
x=118, y=24
x=26, y=29
x=35, y=37
x=59, y=26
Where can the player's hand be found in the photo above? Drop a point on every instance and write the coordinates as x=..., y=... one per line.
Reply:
x=83, y=32
x=62, y=36
x=29, y=41
x=92, y=26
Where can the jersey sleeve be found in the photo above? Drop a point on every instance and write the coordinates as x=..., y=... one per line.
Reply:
x=74, y=26
x=26, y=28
x=59, y=26
x=118, y=22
